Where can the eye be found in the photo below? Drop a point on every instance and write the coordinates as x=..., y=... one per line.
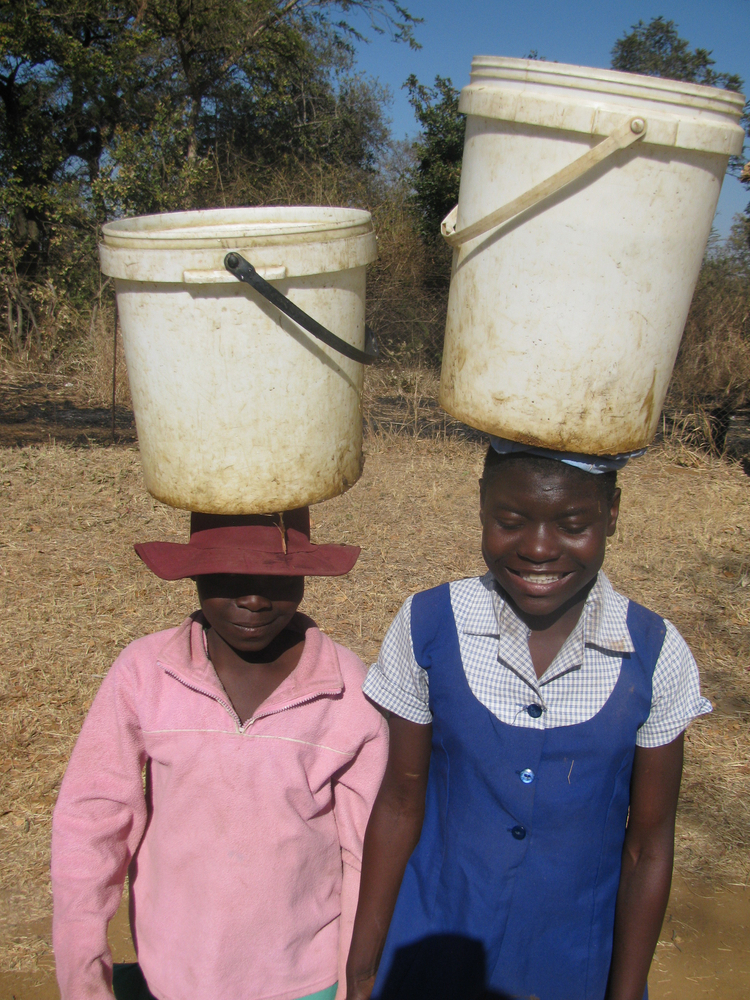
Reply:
x=574, y=527
x=508, y=523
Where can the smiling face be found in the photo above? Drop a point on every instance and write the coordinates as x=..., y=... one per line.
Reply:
x=249, y=612
x=544, y=533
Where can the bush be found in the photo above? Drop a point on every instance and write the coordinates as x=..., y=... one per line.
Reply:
x=713, y=364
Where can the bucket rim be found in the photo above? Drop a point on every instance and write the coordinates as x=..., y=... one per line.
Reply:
x=263, y=223
x=698, y=96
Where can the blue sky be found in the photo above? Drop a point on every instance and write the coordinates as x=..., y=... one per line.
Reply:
x=571, y=31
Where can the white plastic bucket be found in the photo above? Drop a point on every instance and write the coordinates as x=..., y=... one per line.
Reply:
x=572, y=278
x=238, y=409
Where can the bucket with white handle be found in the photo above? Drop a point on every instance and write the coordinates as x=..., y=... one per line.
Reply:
x=244, y=336
x=586, y=201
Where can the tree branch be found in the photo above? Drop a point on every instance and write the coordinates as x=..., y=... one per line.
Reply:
x=278, y=15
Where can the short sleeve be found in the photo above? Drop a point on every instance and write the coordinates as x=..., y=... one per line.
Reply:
x=397, y=682
x=676, y=698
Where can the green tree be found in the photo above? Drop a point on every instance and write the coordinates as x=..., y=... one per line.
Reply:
x=148, y=169
x=211, y=44
x=656, y=49
x=71, y=71
x=288, y=118
x=306, y=105
x=439, y=151
x=109, y=106
x=712, y=364
x=61, y=84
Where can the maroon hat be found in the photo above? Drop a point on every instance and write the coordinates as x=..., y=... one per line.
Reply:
x=250, y=544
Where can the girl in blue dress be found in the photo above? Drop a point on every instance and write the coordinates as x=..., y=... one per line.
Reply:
x=522, y=841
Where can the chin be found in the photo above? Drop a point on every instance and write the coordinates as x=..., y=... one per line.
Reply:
x=249, y=644
x=539, y=604
x=253, y=645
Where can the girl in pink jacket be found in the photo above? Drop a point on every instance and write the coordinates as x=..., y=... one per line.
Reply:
x=227, y=767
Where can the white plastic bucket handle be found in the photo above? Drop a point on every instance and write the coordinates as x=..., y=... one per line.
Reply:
x=627, y=133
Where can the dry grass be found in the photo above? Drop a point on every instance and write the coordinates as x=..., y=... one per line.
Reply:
x=75, y=594
x=403, y=400
x=713, y=364
x=86, y=369
x=683, y=548
x=711, y=377
x=407, y=288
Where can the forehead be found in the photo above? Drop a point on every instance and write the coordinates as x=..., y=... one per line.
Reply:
x=531, y=482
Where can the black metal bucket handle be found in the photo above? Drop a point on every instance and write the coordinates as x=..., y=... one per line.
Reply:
x=243, y=270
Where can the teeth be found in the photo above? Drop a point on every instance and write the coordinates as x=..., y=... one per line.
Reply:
x=541, y=577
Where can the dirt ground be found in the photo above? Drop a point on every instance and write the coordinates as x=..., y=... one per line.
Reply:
x=75, y=594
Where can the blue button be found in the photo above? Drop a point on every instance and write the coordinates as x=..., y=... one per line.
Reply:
x=519, y=832
x=534, y=711
x=527, y=776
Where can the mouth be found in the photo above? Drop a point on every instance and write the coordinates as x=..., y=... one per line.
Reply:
x=252, y=630
x=540, y=577
x=538, y=583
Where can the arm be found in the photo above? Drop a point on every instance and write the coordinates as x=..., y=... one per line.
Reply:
x=354, y=792
x=646, y=872
x=392, y=835
x=97, y=825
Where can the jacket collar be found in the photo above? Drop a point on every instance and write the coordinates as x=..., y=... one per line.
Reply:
x=317, y=674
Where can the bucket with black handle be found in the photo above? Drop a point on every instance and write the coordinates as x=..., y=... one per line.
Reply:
x=244, y=337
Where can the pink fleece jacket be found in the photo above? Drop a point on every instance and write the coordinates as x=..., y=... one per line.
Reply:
x=243, y=852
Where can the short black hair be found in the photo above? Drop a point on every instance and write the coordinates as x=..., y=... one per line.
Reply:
x=494, y=463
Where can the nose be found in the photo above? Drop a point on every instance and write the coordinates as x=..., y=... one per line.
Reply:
x=539, y=544
x=253, y=602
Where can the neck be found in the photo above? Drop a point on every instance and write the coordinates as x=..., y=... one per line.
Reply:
x=250, y=678
x=220, y=651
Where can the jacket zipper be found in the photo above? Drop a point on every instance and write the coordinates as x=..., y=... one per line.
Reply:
x=291, y=704
x=242, y=726
x=209, y=694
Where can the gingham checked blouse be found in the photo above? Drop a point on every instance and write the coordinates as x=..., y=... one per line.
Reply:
x=496, y=659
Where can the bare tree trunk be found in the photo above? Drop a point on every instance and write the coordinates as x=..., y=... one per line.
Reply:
x=114, y=377
x=14, y=344
x=195, y=107
x=92, y=324
x=33, y=328
x=19, y=326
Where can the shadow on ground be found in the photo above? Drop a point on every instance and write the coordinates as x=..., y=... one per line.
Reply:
x=40, y=411
x=399, y=415
x=37, y=411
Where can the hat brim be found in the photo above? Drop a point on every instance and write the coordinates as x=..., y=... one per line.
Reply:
x=175, y=561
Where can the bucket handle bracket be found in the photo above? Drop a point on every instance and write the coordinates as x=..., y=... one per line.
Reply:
x=244, y=271
x=625, y=135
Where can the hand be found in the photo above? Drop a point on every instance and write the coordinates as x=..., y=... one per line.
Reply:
x=359, y=989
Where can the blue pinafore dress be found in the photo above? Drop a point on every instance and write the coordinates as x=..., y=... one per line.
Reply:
x=511, y=889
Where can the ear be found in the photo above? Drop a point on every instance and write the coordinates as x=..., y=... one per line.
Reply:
x=481, y=502
x=614, y=511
